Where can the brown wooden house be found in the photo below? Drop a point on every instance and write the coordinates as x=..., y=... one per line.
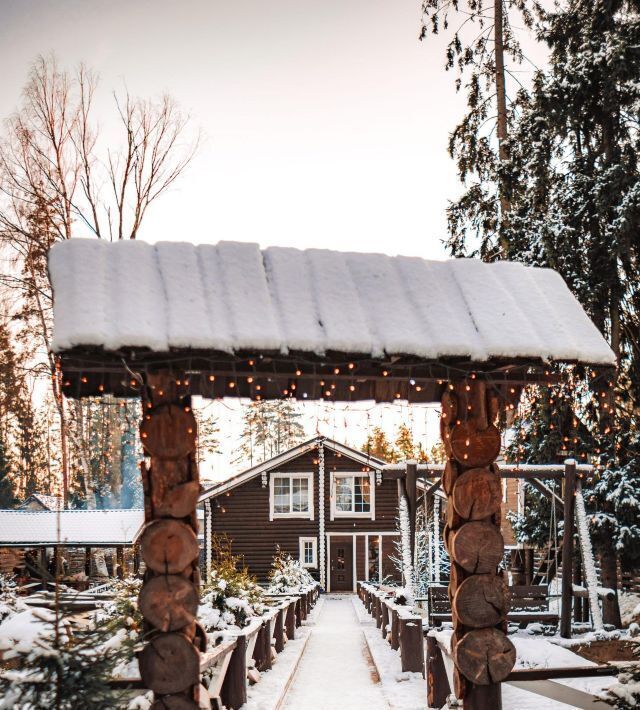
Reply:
x=323, y=502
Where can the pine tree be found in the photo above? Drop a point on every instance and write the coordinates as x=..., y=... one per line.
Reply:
x=378, y=446
x=270, y=427
x=575, y=154
x=7, y=490
x=481, y=49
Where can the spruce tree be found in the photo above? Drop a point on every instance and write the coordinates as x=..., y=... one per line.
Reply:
x=575, y=155
x=7, y=489
x=379, y=446
x=270, y=427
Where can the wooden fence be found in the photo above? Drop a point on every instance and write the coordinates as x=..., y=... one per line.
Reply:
x=228, y=669
x=398, y=624
x=404, y=631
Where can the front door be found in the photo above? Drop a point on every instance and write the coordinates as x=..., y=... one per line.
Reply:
x=341, y=564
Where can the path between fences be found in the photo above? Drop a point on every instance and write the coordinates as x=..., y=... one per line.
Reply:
x=336, y=670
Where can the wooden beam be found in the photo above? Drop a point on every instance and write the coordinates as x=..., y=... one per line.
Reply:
x=567, y=548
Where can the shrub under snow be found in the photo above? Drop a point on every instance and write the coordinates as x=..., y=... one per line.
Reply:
x=288, y=575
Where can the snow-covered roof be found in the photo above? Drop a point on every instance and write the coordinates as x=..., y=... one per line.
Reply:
x=289, y=455
x=76, y=527
x=234, y=297
x=46, y=501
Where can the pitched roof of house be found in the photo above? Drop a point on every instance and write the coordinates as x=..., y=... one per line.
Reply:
x=91, y=528
x=46, y=501
x=232, y=297
x=290, y=455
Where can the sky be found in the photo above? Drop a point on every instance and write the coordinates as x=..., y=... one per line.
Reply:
x=324, y=124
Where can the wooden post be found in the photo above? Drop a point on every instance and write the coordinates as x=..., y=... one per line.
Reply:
x=120, y=562
x=290, y=620
x=567, y=547
x=412, y=501
x=170, y=661
x=385, y=619
x=395, y=630
x=482, y=653
x=279, y=631
x=87, y=561
x=411, y=645
x=234, y=687
x=438, y=689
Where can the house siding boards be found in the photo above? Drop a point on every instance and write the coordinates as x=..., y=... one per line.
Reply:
x=254, y=537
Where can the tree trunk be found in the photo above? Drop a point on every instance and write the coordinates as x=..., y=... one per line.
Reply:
x=502, y=127
x=609, y=572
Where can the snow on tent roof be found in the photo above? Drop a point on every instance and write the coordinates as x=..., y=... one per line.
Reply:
x=77, y=527
x=233, y=297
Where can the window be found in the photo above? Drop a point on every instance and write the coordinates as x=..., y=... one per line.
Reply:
x=352, y=495
x=291, y=495
x=309, y=551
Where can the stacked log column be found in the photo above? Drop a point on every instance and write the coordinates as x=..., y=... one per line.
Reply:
x=479, y=594
x=170, y=660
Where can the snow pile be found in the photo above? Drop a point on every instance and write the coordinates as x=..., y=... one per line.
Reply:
x=232, y=296
x=288, y=575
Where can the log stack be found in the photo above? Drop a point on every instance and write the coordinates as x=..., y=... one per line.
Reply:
x=478, y=591
x=170, y=660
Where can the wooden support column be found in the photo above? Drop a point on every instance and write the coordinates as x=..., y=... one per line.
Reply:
x=437, y=681
x=412, y=501
x=87, y=561
x=567, y=547
x=482, y=653
x=120, y=562
x=170, y=661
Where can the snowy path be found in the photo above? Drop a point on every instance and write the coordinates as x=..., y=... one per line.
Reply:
x=336, y=670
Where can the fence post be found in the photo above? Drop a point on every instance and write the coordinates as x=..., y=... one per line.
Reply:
x=279, y=631
x=395, y=630
x=411, y=645
x=437, y=680
x=290, y=620
x=234, y=687
x=385, y=618
x=567, y=547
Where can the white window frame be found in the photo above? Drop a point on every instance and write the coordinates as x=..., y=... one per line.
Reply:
x=314, y=562
x=307, y=515
x=371, y=514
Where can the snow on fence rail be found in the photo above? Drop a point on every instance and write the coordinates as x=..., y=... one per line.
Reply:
x=227, y=670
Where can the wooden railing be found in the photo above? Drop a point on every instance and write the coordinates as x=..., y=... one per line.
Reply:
x=397, y=624
x=229, y=668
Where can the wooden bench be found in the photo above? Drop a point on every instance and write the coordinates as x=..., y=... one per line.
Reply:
x=529, y=605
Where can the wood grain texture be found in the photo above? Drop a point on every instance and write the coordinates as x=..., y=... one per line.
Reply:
x=169, y=663
x=485, y=656
x=481, y=600
x=169, y=602
x=474, y=446
x=477, y=494
x=168, y=546
x=169, y=431
x=478, y=547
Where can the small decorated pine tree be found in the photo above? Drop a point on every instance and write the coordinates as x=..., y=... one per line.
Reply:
x=287, y=574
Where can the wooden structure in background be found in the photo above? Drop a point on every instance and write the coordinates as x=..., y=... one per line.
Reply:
x=232, y=320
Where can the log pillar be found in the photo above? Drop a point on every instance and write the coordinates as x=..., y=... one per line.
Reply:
x=482, y=653
x=87, y=561
x=170, y=661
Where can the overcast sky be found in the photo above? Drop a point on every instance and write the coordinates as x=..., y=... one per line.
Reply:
x=325, y=123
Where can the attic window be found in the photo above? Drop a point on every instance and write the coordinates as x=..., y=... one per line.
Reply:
x=291, y=495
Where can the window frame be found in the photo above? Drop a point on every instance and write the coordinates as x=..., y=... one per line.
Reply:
x=300, y=515
x=314, y=542
x=369, y=515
